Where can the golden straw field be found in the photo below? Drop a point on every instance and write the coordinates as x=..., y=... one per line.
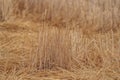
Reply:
x=59, y=39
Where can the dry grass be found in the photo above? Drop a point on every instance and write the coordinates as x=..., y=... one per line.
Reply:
x=59, y=40
x=89, y=15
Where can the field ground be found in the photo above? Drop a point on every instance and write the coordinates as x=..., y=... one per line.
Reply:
x=59, y=40
x=19, y=40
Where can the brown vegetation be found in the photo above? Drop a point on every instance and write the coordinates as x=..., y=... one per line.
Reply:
x=59, y=40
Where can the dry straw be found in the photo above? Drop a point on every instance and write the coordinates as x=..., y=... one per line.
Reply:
x=101, y=15
x=60, y=43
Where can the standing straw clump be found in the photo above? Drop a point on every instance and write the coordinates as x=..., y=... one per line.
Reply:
x=54, y=48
